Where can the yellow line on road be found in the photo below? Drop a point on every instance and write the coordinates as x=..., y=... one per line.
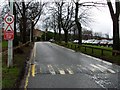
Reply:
x=33, y=70
x=26, y=82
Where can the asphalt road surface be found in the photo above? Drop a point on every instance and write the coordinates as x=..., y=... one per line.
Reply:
x=54, y=66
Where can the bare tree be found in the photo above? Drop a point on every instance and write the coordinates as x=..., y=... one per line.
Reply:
x=115, y=19
x=83, y=4
x=22, y=10
x=29, y=11
x=35, y=11
x=59, y=5
x=67, y=21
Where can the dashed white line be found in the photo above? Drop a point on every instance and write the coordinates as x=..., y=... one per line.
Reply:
x=110, y=70
x=61, y=71
x=70, y=71
x=101, y=69
x=51, y=69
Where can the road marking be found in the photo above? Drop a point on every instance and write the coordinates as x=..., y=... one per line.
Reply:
x=26, y=81
x=107, y=62
x=82, y=67
x=33, y=70
x=97, y=67
x=97, y=59
x=51, y=69
x=92, y=69
x=35, y=50
x=70, y=71
x=40, y=70
x=79, y=69
x=61, y=71
x=110, y=70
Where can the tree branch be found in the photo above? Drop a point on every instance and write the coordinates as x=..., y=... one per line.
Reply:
x=111, y=9
x=19, y=8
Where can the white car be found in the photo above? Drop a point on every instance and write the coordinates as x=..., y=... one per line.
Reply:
x=51, y=40
x=110, y=43
x=83, y=41
x=96, y=42
x=89, y=41
x=76, y=41
x=104, y=42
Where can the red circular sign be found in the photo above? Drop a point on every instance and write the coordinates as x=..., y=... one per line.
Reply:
x=9, y=19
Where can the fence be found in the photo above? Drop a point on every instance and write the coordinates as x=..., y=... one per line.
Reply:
x=78, y=47
x=15, y=48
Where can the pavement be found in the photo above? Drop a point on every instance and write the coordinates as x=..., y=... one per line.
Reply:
x=54, y=66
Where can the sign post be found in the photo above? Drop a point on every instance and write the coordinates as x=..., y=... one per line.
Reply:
x=9, y=33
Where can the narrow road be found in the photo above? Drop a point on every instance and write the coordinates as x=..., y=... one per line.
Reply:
x=58, y=67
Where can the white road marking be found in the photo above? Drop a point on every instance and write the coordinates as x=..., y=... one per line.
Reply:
x=51, y=69
x=110, y=70
x=101, y=69
x=61, y=71
x=70, y=71
x=108, y=63
x=92, y=69
x=40, y=70
x=84, y=68
x=79, y=69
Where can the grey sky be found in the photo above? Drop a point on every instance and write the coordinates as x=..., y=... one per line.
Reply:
x=102, y=18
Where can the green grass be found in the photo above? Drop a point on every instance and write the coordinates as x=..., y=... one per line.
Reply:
x=107, y=55
x=4, y=44
x=101, y=47
x=11, y=76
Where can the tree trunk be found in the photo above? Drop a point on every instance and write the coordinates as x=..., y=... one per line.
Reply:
x=21, y=30
x=66, y=36
x=116, y=34
x=59, y=27
x=55, y=33
x=15, y=41
x=78, y=23
x=115, y=19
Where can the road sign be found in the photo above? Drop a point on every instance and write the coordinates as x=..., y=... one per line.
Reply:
x=8, y=29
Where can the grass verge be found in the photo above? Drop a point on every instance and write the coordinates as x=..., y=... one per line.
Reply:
x=4, y=44
x=11, y=77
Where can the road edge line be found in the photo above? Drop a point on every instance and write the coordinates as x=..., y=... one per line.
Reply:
x=26, y=80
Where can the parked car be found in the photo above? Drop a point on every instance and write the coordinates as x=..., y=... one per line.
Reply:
x=76, y=41
x=96, y=42
x=110, y=43
x=104, y=42
x=83, y=41
x=89, y=41
x=51, y=40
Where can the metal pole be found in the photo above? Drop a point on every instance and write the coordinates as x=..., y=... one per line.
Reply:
x=10, y=42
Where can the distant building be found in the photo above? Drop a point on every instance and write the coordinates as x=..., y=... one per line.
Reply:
x=37, y=33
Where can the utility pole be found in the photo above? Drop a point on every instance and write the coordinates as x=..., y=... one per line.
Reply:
x=10, y=42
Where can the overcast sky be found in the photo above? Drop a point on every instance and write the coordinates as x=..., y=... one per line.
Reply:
x=102, y=18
